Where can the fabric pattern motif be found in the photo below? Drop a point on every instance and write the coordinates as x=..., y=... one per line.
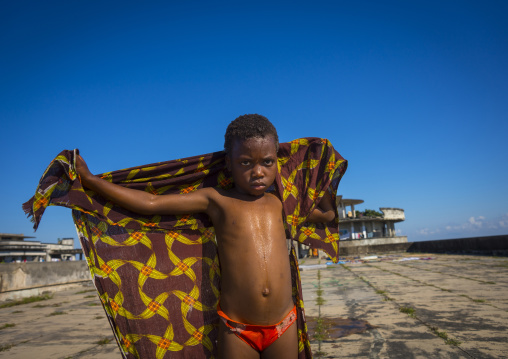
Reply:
x=158, y=277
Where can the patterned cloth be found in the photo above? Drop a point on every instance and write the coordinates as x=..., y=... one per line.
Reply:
x=158, y=277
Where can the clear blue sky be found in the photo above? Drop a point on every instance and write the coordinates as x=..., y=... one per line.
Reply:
x=413, y=93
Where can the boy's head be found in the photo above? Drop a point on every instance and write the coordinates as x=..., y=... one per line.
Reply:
x=251, y=154
x=249, y=126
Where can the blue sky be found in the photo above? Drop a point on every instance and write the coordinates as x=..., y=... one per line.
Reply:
x=413, y=94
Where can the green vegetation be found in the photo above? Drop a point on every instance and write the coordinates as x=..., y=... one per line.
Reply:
x=86, y=291
x=33, y=299
x=320, y=301
x=56, y=313
x=47, y=305
x=320, y=330
x=369, y=213
x=7, y=325
x=93, y=304
x=408, y=310
x=453, y=342
x=104, y=341
x=444, y=336
x=6, y=347
x=319, y=333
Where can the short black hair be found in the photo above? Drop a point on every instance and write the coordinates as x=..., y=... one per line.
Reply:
x=249, y=126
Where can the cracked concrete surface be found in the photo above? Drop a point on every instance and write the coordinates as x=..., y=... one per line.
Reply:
x=464, y=297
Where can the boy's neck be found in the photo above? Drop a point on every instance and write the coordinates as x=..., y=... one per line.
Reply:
x=245, y=196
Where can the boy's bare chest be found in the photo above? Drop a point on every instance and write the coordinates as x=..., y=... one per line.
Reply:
x=249, y=217
x=267, y=209
x=251, y=233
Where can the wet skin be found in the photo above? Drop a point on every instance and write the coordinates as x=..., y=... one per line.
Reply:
x=256, y=277
x=252, y=242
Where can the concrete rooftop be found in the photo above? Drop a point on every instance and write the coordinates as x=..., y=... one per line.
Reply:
x=449, y=306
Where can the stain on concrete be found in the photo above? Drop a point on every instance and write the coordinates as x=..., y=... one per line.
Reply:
x=338, y=327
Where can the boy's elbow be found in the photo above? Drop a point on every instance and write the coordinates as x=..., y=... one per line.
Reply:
x=329, y=216
x=320, y=216
x=148, y=207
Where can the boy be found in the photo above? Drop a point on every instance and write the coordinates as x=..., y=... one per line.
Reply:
x=257, y=315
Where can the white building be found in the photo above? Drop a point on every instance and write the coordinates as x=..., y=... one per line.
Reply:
x=370, y=230
x=14, y=248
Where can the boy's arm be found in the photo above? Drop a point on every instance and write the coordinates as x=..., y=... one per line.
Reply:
x=324, y=212
x=143, y=202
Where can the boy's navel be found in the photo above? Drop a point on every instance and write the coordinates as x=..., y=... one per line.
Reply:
x=266, y=292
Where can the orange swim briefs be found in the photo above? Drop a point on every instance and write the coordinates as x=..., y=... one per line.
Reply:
x=258, y=336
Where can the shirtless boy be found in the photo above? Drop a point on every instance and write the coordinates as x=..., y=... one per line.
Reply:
x=250, y=237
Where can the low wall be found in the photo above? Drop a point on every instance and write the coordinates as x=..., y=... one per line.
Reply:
x=489, y=245
x=19, y=280
x=373, y=241
x=356, y=251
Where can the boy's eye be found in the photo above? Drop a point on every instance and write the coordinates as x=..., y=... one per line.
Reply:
x=268, y=162
x=245, y=163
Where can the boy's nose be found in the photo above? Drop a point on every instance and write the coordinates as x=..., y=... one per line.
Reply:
x=257, y=171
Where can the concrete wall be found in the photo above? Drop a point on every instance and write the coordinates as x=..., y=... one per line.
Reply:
x=393, y=213
x=372, y=241
x=356, y=251
x=491, y=245
x=19, y=280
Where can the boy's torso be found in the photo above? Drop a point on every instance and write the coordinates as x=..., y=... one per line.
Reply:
x=255, y=270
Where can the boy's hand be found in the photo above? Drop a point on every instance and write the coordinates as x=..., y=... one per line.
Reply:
x=143, y=202
x=324, y=212
x=82, y=169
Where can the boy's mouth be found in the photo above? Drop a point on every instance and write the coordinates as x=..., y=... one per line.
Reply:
x=257, y=185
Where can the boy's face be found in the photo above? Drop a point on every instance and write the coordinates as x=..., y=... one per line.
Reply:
x=253, y=164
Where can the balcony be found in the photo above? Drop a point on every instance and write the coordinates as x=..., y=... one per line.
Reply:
x=393, y=214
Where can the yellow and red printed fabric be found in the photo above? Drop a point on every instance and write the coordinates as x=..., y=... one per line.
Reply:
x=158, y=277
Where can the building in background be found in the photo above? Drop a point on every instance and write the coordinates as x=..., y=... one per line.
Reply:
x=368, y=227
x=14, y=248
x=365, y=228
